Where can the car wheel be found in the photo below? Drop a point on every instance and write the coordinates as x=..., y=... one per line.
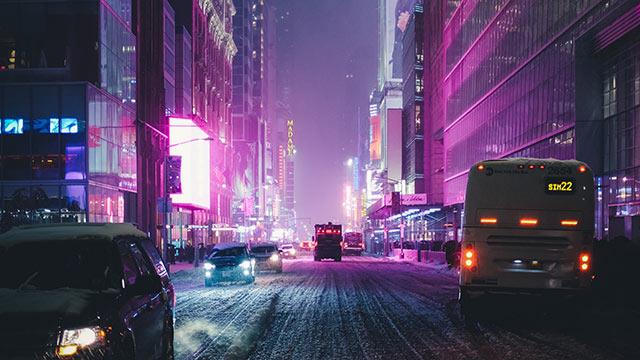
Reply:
x=279, y=270
x=251, y=280
x=126, y=350
x=167, y=346
x=339, y=258
x=315, y=258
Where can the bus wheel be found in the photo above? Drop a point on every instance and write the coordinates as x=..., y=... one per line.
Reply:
x=467, y=305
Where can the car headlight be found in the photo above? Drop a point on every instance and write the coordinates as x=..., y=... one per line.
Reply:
x=209, y=266
x=275, y=257
x=245, y=264
x=71, y=341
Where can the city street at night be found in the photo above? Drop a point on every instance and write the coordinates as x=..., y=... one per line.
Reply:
x=372, y=308
x=319, y=179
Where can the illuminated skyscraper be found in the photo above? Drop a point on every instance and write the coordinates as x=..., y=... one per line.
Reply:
x=545, y=79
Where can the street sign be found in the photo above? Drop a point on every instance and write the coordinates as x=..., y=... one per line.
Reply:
x=174, y=183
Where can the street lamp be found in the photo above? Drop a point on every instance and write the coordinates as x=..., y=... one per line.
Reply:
x=167, y=199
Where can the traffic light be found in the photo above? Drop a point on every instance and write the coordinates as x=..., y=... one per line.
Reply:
x=395, y=203
x=174, y=183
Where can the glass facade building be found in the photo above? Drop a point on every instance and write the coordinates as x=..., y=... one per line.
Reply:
x=529, y=78
x=413, y=155
x=67, y=126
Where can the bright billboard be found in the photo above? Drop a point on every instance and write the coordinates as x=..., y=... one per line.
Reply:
x=190, y=142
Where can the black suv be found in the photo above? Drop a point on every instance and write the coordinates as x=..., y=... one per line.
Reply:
x=229, y=262
x=83, y=291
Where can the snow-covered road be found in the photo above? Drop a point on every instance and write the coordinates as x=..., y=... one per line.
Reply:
x=367, y=308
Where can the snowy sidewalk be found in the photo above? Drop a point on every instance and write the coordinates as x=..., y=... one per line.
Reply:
x=431, y=265
x=180, y=266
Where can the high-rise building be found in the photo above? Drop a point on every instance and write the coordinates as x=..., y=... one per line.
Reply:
x=283, y=135
x=545, y=79
x=413, y=155
x=67, y=112
x=249, y=123
x=205, y=48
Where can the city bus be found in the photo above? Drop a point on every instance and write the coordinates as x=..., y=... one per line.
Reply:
x=528, y=229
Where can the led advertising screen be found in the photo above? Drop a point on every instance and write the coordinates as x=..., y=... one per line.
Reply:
x=395, y=17
x=189, y=141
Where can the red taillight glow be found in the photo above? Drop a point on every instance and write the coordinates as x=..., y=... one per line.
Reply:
x=488, y=221
x=528, y=222
x=480, y=167
x=469, y=258
x=582, y=168
x=532, y=166
x=542, y=167
x=584, y=261
x=569, y=222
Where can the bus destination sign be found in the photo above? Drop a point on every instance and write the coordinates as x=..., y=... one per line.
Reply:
x=559, y=185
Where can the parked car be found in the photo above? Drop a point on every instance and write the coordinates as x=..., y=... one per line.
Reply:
x=288, y=251
x=229, y=262
x=84, y=291
x=267, y=257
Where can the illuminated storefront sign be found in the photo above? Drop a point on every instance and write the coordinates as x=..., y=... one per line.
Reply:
x=18, y=126
x=291, y=149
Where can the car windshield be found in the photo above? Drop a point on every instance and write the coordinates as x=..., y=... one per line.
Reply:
x=63, y=264
x=234, y=251
x=263, y=249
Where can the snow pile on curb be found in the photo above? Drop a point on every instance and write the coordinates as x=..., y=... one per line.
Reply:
x=247, y=340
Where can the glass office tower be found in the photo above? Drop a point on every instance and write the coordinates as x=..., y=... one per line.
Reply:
x=537, y=78
x=67, y=112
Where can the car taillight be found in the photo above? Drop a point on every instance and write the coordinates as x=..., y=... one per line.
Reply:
x=469, y=258
x=569, y=222
x=488, y=221
x=528, y=222
x=584, y=261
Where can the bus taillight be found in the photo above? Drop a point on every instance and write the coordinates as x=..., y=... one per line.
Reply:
x=569, y=222
x=469, y=256
x=528, y=222
x=584, y=261
x=582, y=168
x=491, y=221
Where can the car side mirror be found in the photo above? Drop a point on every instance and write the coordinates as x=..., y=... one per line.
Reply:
x=144, y=285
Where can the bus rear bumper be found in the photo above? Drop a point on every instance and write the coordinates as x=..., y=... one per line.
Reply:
x=474, y=291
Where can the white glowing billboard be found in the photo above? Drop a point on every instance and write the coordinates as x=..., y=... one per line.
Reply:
x=190, y=142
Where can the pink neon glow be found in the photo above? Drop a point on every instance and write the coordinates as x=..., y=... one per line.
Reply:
x=196, y=164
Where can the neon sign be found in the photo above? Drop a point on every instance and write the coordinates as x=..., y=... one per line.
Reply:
x=291, y=149
x=66, y=125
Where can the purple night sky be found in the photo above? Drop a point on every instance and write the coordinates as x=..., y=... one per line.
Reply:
x=324, y=99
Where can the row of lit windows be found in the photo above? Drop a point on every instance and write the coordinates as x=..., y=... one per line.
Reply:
x=528, y=107
x=517, y=33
